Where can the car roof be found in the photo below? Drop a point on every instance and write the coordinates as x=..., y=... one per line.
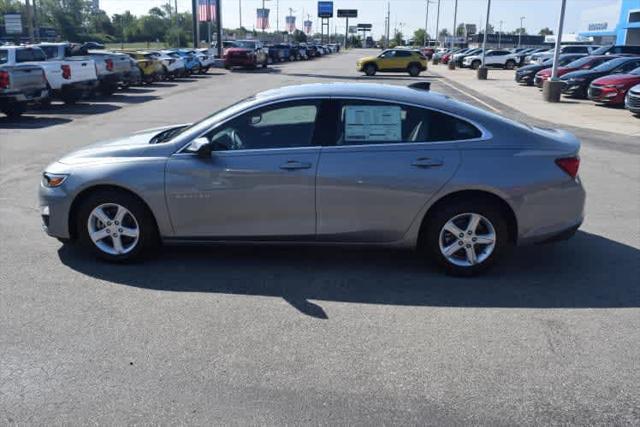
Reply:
x=364, y=90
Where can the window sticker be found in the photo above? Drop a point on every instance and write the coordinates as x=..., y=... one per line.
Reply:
x=373, y=123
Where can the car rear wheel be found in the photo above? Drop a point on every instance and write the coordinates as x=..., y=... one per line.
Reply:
x=14, y=111
x=510, y=65
x=370, y=69
x=414, y=70
x=116, y=226
x=466, y=238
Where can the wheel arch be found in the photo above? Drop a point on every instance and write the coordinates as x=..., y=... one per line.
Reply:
x=86, y=192
x=466, y=195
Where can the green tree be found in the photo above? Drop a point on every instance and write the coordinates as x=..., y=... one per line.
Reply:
x=418, y=36
x=299, y=36
x=398, y=39
x=546, y=31
x=460, y=30
x=522, y=31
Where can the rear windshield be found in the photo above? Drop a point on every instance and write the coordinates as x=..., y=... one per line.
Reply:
x=610, y=65
x=4, y=56
x=580, y=62
x=30, y=55
x=636, y=72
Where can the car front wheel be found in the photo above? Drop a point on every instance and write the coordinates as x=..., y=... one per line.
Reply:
x=414, y=70
x=116, y=226
x=475, y=65
x=466, y=238
x=370, y=70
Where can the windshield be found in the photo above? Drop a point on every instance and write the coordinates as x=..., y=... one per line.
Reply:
x=635, y=72
x=601, y=50
x=580, y=62
x=203, y=124
x=610, y=65
x=246, y=44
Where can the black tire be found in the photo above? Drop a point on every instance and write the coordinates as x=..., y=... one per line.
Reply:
x=475, y=64
x=265, y=63
x=108, y=89
x=413, y=70
x=14, y=111
x=430, y=238
x=70, y=98
x=148, y=239
x=510, y=64
x=370, y=69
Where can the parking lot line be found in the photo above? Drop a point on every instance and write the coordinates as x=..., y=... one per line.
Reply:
x=475, y=98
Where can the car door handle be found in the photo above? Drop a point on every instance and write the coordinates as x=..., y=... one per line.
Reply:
x=292, y=165
x=427, y=162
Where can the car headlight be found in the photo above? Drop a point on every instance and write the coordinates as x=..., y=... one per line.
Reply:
x=52, y=180
x=618, y=86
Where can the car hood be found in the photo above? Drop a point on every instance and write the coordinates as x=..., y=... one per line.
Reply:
x=136, y=145
x=615, y=79
x=533, y=68
x=367, y=58
x=584, y=74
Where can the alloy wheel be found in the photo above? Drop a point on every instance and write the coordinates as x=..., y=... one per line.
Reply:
x=467, y=239
x=113, y=229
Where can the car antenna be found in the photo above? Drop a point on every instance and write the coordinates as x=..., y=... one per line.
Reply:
x=421, y=86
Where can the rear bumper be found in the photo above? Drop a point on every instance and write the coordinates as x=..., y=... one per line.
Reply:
x=26, y=97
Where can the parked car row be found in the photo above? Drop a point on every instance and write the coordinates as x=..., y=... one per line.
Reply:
x=604, y=74
x=35, y=74
x=254, y=54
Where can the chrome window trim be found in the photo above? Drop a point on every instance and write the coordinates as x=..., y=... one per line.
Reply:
x=485, y=134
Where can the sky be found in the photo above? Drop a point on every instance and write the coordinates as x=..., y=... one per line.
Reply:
x=406, y=15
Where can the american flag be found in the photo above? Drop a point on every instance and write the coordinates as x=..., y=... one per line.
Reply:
x=206, y=10
x=291, y=23
x=263, y=19
x=307, y=26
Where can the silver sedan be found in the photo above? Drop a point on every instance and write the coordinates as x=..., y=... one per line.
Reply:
x=327, y=164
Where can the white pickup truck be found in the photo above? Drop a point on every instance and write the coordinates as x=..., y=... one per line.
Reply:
x=108, y=65
x=68, y=79
x=20, y=85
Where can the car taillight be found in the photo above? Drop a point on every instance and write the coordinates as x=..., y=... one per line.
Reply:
x=66, y=71
x=570, y=165
x=109, y=63
x=4, y=79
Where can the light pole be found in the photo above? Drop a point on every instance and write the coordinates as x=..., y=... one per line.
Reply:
x=452, y=64
x=500, y=35
x=426, y=24
x=240, y=12
x=520, y=30
x=552, y=88
x=483, y=71
x=438, y=23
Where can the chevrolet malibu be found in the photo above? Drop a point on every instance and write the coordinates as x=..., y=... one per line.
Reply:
x=327, y=164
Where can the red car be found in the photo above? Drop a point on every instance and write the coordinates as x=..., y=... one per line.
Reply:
x=245, y=53
x=586, y=63
x=613, y=88
x=427, y=52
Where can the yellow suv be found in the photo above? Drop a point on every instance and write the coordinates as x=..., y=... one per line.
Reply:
x=394, y=60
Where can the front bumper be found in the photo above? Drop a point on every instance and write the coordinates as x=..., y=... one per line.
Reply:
x=239, y=61
x=606, y=95
x=632, y=102
x=524, y=78
x=574, y=89
x=55, y=205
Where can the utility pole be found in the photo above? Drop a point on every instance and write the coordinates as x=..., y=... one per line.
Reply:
x=177, y=25
x=483, y=71
x=520, y=30
x=277, y=16
x=239, y=11
x=500, y=35
x=452, y=64
x=35, y=21
x=426, y=24
x=29, y=20
x=195, y=23
x=438, y=23
x=388, y=24
x=219, y=27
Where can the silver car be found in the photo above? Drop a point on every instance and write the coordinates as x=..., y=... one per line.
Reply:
x=329, y=164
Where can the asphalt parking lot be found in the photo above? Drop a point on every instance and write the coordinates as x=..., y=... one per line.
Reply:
x=245, y=335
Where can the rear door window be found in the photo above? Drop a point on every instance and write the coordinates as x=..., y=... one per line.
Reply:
x=365, y=122
x=30, y=55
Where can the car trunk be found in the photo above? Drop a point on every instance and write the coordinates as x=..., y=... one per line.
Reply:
x=27, y=78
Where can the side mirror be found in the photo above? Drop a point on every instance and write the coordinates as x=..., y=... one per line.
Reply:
x=201, y=146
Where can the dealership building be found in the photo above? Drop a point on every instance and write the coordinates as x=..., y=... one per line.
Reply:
x=617, y=22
